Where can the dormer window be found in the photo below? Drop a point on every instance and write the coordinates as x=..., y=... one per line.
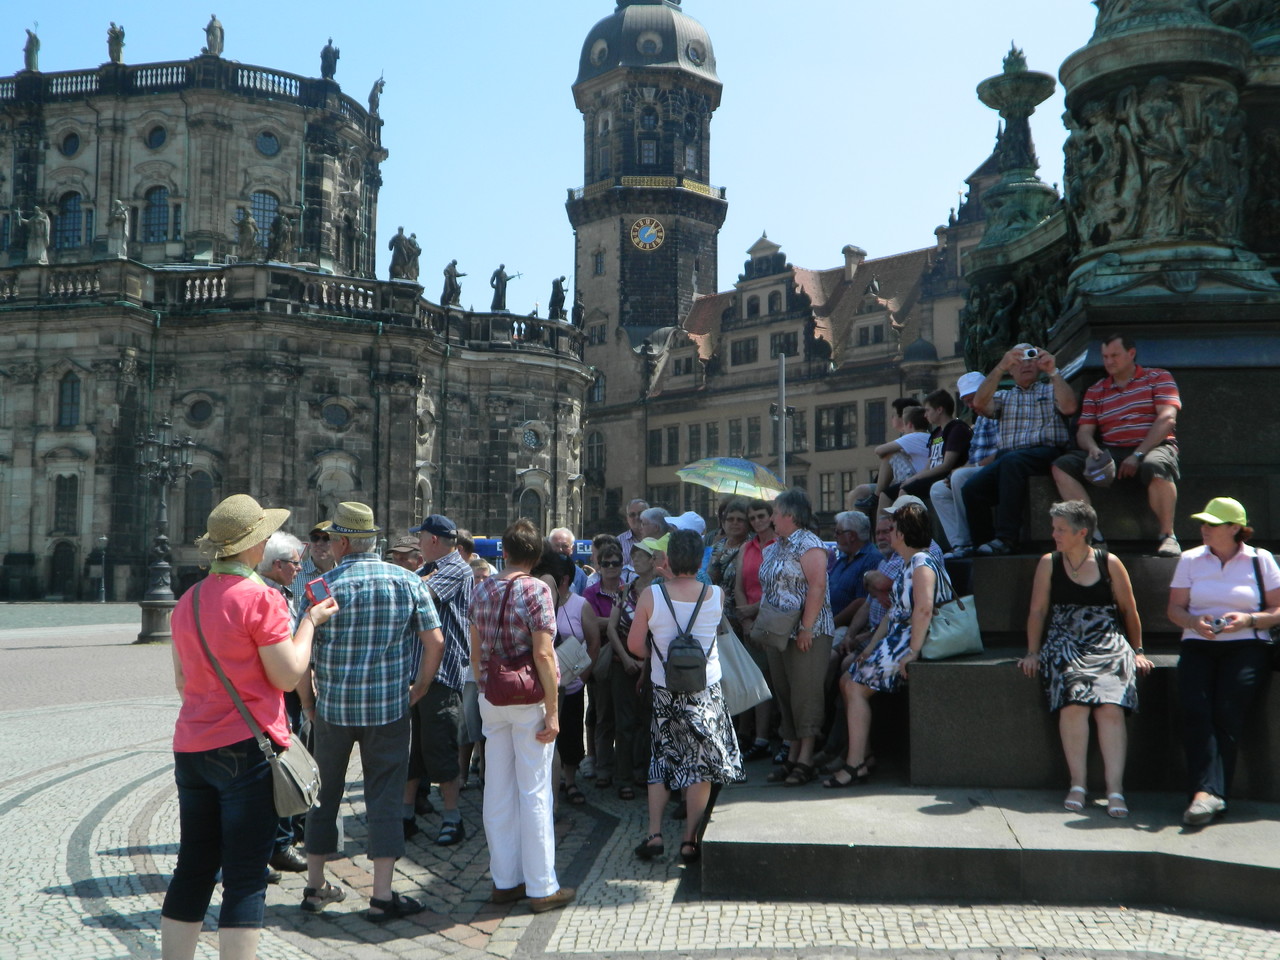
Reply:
x=649, y=120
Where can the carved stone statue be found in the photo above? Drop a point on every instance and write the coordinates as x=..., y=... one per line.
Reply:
x=452, y=295
x=246, y=236
x=399, y=247
x=31, y=53
x=37, y=234
x=499, y=283
x=281, y=239
x=118, y=230
x=579, y=309
x=375, y=95
x=115, y=43
x=412, y=252
x=213, y=36
x=555, y=306
x=329, y=60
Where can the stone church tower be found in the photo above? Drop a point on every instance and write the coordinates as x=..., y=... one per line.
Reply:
x=647, y=220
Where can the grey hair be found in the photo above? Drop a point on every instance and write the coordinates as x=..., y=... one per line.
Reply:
x=362, y=544
x=854, y=520
x=795, y=504
x=566, y=530
x=1078, y=515
x=279, y=546
x=656, y=515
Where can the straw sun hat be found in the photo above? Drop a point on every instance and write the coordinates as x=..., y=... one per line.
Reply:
x=236, y=524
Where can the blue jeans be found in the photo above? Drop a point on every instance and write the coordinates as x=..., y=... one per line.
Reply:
x=1217, y=682
x=227, y=821
x=1002, y=484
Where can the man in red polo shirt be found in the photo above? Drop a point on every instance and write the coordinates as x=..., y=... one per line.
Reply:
x=1131, y=415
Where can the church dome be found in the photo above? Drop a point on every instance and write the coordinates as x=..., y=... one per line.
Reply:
x=922, y=351
x=648, y=33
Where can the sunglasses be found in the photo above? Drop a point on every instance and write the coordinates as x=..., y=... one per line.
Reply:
x=319, y=538
x=610, y=564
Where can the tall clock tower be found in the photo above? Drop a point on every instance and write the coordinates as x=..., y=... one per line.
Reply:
x=647, y=218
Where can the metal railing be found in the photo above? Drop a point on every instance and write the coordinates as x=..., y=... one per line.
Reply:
x=647, y=183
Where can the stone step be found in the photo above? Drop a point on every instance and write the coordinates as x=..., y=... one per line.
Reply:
x=979, y=720
x=886, y=841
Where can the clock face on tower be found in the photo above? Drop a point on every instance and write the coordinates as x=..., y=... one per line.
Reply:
x=647, y=233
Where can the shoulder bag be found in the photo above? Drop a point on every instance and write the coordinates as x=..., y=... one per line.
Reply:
x=774, y=627
x=953, y=631
x=741, y=683
x=514, y=682
x=1274, y=633
x=571, y=652
x=295, y=777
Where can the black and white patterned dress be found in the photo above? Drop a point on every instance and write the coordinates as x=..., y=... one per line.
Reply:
x=1086, y=658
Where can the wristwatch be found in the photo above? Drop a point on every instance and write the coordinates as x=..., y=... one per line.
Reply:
x=1138, y=454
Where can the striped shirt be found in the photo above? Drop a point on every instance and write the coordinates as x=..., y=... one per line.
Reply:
x=450, y=585
x=366, y=656
x=1029, y=418
x=1123, y=415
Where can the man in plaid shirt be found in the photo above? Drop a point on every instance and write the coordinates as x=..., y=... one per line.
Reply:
x=945, y=493
x=437, y=717
x=1033, y=433
x=368, y=673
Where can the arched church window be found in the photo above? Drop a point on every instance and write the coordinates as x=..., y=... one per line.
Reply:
x=263, y=206
x=67, y=229
x=155, y=215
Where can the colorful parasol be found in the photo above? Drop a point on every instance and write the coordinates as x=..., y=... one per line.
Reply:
x=733, y=475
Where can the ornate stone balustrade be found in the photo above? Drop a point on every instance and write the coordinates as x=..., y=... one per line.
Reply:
x=663, y=183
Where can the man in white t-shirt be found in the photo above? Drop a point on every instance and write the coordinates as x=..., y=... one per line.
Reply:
x=900, y=459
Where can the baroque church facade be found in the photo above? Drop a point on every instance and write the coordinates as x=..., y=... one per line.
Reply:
x=191, y=255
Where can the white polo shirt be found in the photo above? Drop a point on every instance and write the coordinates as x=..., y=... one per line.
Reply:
x=1218, y=588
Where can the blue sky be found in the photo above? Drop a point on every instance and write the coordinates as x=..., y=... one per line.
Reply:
x=842, y=121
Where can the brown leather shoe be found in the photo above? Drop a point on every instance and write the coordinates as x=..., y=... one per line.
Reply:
x=507, y=895
x=561, y=898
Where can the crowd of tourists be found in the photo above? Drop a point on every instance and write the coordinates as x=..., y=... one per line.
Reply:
x=546, y=678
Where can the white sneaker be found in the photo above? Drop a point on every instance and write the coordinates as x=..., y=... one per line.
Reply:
x=587, y=767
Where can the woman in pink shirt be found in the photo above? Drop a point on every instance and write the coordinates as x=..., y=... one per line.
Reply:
x=226, y=809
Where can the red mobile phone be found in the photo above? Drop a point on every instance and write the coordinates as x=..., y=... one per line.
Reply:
x=318, y=591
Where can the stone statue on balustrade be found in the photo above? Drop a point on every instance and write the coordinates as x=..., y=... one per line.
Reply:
x=213, y=37
x=579, y=309
x=280, y=239
x=31, y=53
x=329, y=60
x=499, y=284
x=118, y=231
x=413, y=251
x=375, y=96
x=246, y=236
x=555, y=306
x=452, y=294
x=401, y=256
x=115, y=43
x=37, y=234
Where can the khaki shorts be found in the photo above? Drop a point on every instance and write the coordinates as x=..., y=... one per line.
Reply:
x=1161, y=462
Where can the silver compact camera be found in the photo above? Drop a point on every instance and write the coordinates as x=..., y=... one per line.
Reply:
x=1218, y=624
x=1030, y=353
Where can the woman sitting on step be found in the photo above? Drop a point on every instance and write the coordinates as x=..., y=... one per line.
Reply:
x=1086, y=664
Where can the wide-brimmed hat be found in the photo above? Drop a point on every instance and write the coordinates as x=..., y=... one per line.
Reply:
x=353, y=519
x=236, y=524
x=1223, y=510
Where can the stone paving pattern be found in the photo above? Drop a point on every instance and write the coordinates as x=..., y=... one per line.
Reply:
x=89, y=816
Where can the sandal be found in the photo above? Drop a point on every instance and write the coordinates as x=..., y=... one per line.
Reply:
x=1075, y=806
x=780, y=775
x=800, y=774
x=451, y=832
x=1116, y=806
x=691, y=851
x=857, y=775
x=647, y=850
x=603, y=783
x=575, y=795
x=626, y=792
x=323, y=896
x=393, y=909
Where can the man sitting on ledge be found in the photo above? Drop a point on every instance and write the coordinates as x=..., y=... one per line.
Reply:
x=1128, y=417
x=1033, y=434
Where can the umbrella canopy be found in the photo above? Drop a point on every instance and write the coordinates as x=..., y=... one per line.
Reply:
x=734, y=475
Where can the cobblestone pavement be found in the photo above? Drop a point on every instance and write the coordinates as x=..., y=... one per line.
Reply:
x=89, y=819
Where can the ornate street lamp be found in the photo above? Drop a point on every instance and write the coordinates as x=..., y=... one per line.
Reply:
x=165, y=461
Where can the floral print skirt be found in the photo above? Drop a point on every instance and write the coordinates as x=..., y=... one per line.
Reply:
x=693, y=739
x=1086, y=658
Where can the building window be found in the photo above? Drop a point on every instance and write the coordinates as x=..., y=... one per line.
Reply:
x=4, y=231
x=66, y=491
x=848, y=480
x=268, y=143
x=595, y=334
x=775, y=302
x=664, y=495
x=197, y=503
x=69, y=401
x=837, y=427
x=596, y=393
x=673, y=444
x=655, y=448
x=753, y=307
x=743, y=352
x=599, y=264
x=695, y=441
x=156, y=137
x=877, y=333
x=67, y=230
x=263, y=206
x=649, y=120
x=713, y=440
x=801, y=482
x=691, y=159
x=875, y=423
x=70, y=145
x=648, y=152
x=827, y=496
x=682, y=366
x=864, y=336
x=606, y=162
x=735, y=438
x=753, y=436
x=784, y=345
x=177, y=221
x=155, y=216
x=595, y=450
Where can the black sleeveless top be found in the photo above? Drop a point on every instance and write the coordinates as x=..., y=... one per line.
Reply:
x=1062, y=589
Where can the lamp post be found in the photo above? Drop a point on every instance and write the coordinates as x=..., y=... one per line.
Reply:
x=102, y=559
x=165, y=461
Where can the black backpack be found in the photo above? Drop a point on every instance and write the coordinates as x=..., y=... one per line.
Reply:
x=686, y=662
